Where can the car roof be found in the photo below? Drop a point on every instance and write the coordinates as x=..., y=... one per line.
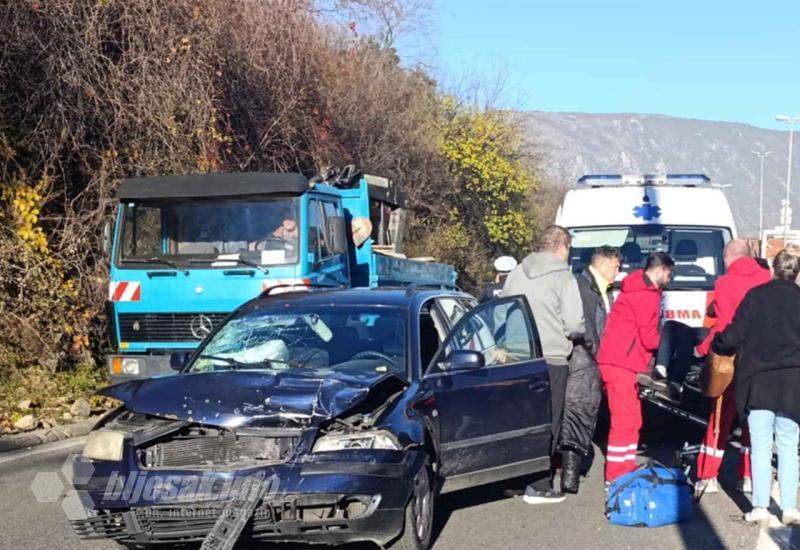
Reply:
x=404, y=297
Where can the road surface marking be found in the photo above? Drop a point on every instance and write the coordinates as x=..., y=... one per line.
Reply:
x=47, y=448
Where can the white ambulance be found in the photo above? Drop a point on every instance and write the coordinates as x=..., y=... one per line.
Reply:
x=684, y=215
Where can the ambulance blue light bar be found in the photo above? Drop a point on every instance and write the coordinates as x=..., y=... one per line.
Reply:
x=607, y=180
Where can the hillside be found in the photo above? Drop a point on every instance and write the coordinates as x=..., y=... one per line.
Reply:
x=572, y=144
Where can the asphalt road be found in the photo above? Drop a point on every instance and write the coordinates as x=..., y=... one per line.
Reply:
x=482, y=518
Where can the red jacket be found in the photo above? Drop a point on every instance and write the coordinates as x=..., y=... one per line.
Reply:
x=632, y=331
x=743, y=275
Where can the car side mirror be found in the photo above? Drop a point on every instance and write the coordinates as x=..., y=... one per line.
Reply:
x=105, y=239
x=463, y=359
x=178, y=359
x=338, y=229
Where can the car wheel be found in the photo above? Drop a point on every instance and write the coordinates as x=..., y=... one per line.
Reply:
x=418, y=527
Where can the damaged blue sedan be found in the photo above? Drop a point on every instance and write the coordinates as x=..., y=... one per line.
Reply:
x=321, y=417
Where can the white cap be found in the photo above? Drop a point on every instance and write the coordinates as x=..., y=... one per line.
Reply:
x=504, y=264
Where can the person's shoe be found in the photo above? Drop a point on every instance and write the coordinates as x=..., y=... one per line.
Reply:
x=661, y=371
x=745, y=486
x=706, y=487
x=646, y=381
x=534, y=496
x=790, y=517
x=757, y=515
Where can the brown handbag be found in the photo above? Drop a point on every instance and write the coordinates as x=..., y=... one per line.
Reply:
x=718, y=375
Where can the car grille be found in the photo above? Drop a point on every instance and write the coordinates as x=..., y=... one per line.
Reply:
x=217, y=449
x=316, y=513
x=167, y=327
x=109, y=525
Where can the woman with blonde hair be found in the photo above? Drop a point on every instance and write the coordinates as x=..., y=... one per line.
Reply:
x=765, y=337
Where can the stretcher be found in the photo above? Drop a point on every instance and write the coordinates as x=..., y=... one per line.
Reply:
x=664, y=402
x=690, y=405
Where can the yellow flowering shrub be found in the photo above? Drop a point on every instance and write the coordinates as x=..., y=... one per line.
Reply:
x=482, y=152
x=45, y=322
x=24, y=207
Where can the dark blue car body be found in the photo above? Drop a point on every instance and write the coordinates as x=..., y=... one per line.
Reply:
x=456, y=424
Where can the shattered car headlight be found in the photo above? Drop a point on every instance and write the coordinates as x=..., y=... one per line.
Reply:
x=104, y=445
x=364, y=440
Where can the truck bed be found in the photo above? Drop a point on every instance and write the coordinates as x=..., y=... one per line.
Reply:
x=390, y=271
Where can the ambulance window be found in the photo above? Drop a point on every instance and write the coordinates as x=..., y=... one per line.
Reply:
x=697, y=251
x=598, y=237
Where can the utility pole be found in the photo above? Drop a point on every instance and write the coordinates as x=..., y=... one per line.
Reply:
x=791, y=121
x=761, y=157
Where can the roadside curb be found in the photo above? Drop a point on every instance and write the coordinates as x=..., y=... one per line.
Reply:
x=16, y=442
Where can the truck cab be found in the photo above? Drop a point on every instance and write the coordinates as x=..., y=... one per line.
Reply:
x=187, y=250
x=684, y=215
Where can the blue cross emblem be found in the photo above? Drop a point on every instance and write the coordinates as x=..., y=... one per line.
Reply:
x=647, y=211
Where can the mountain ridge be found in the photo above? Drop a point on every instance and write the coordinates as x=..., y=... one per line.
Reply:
x=570, y=144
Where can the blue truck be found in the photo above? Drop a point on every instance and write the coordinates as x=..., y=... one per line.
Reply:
x=186, y=250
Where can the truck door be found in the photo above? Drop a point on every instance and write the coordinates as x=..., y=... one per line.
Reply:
x=327, y=265
x=494, y=415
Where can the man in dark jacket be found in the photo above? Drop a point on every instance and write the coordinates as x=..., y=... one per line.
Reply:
x=765, y=337
x=503, y=266
x=631, y=337
x=742, y=273
x=584, y=387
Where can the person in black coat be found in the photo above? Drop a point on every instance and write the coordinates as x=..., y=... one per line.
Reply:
x=584, y=387
x=503, y=266
x=765, y=337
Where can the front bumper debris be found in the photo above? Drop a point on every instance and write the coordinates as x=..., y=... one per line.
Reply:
x=319, y=518
x=322, y=500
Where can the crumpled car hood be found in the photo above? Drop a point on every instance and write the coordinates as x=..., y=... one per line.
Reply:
x=251, y=398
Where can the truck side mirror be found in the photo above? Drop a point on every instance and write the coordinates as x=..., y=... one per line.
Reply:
x=178, y=359
x=105, y=240
x=338, y=236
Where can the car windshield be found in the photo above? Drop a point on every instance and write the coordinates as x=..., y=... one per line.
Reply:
x=219, y=232
x=697, y=251
x=346, y=339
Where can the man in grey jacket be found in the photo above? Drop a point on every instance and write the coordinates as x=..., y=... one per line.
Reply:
x=544, y=278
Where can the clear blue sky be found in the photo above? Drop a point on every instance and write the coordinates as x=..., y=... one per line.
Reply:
x=731, y=60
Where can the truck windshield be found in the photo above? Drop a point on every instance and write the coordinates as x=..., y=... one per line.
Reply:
x=697, y=251
x=261, y=231
x=323, y=339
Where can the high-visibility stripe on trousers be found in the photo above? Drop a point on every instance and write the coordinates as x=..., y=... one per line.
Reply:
x=626, y=420
x=712, y=450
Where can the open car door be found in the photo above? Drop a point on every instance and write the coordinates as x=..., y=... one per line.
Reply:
x=492, y=395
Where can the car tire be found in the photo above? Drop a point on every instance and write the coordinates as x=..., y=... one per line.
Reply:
x=418, y=526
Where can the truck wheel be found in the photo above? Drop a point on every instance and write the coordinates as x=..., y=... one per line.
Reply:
x=418, y=527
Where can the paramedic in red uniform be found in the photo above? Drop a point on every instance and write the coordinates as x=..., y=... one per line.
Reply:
x=630, y=339
x=742, y=273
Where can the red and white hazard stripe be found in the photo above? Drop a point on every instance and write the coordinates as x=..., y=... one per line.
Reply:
x=123, y=291
x=711, y=451
x=621, y=453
